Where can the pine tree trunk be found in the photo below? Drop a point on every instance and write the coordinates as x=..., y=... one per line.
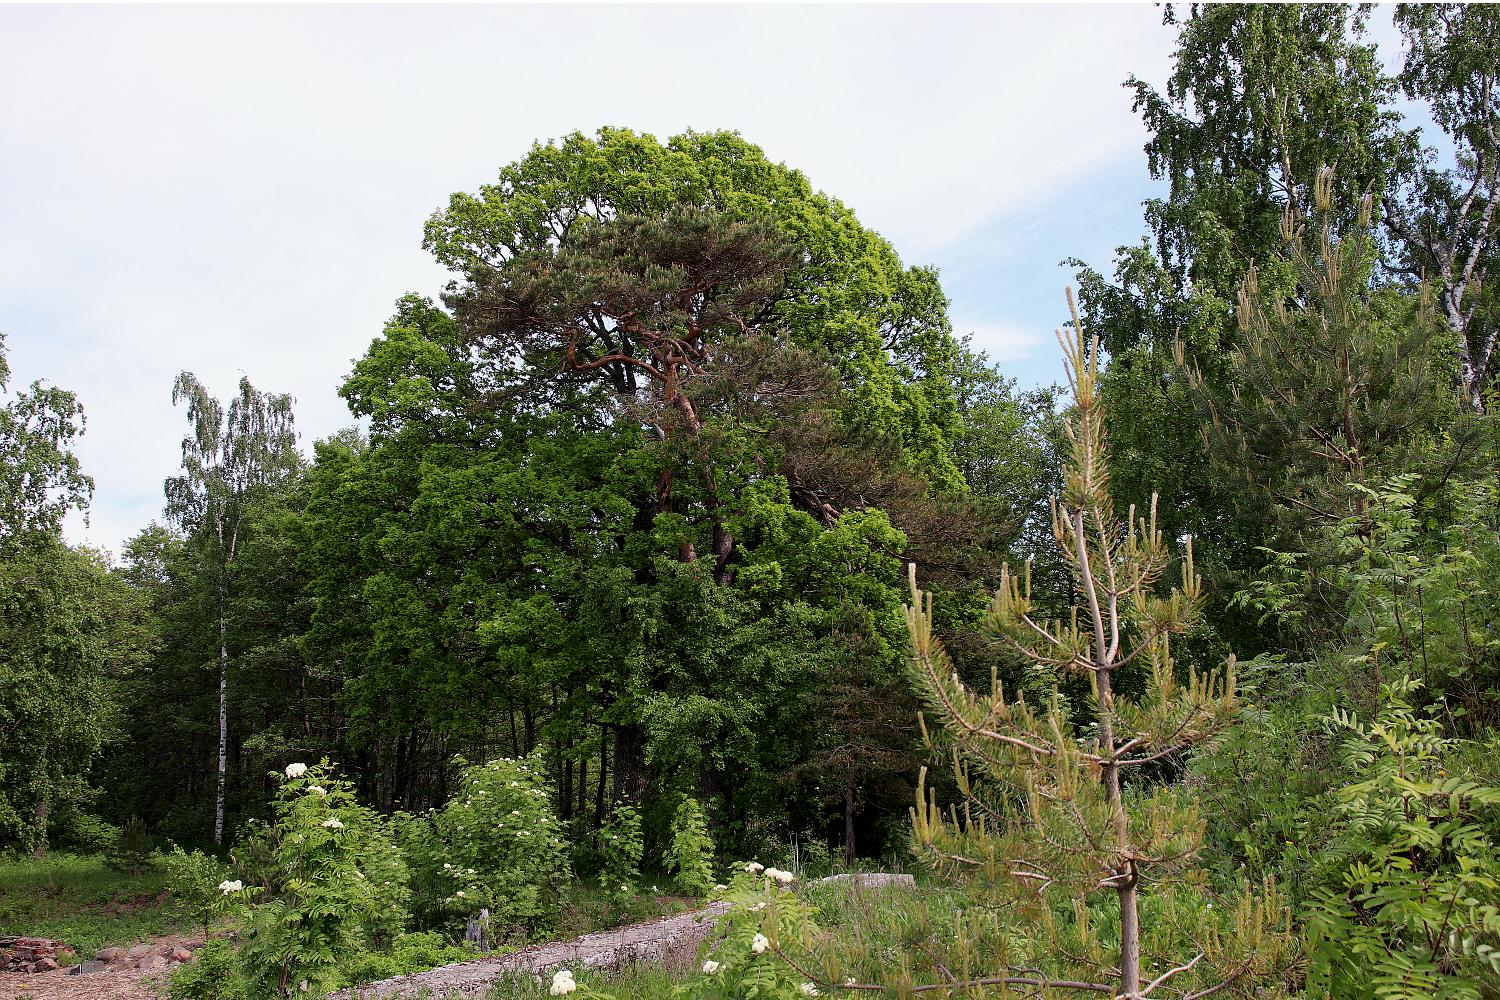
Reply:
x=1124, y=876
x=849, y=820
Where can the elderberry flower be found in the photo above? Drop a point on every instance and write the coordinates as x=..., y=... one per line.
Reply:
x=755, y=866
x=710, y=967
x=316, y=790
x=228, y=888
x=333, y=823
x=296, y=770
x=562, y=983
x=759, y=943
x=808, y=990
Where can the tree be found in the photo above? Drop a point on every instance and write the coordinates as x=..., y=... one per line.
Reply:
x=883, y=326
x=1444, y=221
x=1089, y=822
x=69, y=629
x=652, y=306
x=1259, y=100
x=1329, y=386
x=40, y=477
x=227, y=466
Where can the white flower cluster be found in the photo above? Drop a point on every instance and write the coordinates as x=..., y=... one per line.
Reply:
x=228, y=888
x=808, y=990
x=759, y=943
x=296, y=770
x=784, y=878
x=754, y=866
x=317, y=790
x=710, y=967
x=333, y=823
x=562, y=983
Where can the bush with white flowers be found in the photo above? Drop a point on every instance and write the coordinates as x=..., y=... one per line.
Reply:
x=748, y=954
x=332, y=880
x=623, y=845
x=503, y=849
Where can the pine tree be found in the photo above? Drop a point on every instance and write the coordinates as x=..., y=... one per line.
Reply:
x=1331, y=383
x=1058, y=809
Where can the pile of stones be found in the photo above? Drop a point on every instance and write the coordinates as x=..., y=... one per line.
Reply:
x=31, y=954
x=144, y=957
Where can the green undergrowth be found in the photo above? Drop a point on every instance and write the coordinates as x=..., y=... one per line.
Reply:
x=80, y=900
x=638, y=982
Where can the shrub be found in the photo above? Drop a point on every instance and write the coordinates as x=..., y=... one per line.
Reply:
x=131, y=849
x=195, y=881
x=1415, y=911
x=623, y=845
x=78, y=830
x=319, y=898
x=214, y=974
x=406, y=954
x=690, y=857
x=502, y=849
x=747, y=955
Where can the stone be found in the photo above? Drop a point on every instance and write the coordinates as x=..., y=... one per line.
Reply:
x=109, y=954
x=180, y=954
x=138, y=952
x=44, y=965
x=151, y=963
x=90, y=967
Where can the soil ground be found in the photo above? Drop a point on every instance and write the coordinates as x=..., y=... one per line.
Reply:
x=115, y=983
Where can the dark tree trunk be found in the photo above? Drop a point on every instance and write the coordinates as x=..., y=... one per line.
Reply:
x=849, y=850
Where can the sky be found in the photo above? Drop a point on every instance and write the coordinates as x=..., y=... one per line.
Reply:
x=241, y=190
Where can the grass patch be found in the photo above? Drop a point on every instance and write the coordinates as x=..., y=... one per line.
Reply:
x=587, y=909
x=638, y=982
x=80, y=900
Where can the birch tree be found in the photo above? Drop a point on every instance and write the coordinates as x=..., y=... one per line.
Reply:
x=229, y=460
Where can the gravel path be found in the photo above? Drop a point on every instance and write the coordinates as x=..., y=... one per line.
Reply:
x=669, y=940
x=662, y=940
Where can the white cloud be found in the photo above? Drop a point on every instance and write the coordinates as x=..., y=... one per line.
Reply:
x=1006, y=343
x=227, y=189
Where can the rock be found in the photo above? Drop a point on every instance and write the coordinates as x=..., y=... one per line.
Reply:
x=44, y=965
x=871, y=880
x=180, y=954
x=138, y=952
x=90, y=967
x=151, y=963
x=109, y=954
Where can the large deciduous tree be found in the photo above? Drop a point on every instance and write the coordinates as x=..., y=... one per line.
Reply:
x=68, y=627
x=40, y=477
x=229, y=461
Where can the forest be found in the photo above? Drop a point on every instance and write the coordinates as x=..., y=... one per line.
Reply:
x=682, y=551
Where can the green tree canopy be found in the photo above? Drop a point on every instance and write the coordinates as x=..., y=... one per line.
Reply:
x=884, y=326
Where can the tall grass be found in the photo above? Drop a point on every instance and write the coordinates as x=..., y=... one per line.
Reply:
x=82, y=901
